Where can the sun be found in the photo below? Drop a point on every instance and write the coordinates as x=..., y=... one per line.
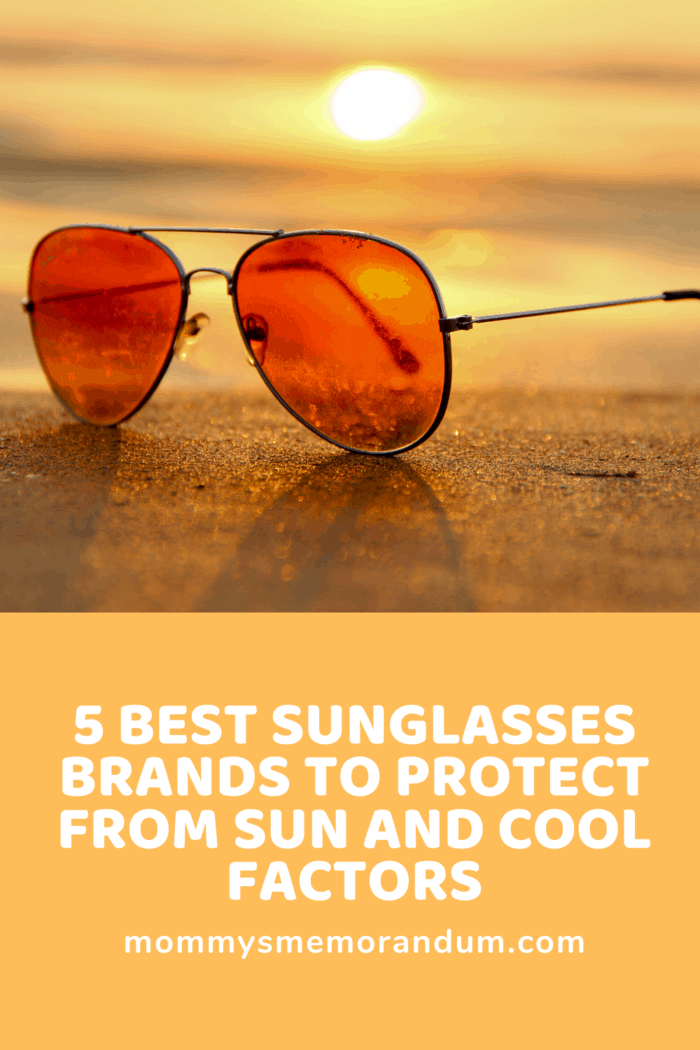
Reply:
x=375, y=103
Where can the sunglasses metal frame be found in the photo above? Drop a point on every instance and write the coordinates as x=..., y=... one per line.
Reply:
x=463, y=322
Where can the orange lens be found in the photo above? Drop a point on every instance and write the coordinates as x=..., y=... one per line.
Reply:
x=345, y=330
x=106, y=310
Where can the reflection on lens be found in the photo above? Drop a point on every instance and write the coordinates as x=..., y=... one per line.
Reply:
x=106, y=310
x=345, y=329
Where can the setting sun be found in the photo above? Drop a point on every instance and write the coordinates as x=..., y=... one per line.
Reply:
x=375, y=103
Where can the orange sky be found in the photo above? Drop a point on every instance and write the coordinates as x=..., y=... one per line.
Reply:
x=449, y=31
x=268, y=116
x=609, y=86
x=556, y=158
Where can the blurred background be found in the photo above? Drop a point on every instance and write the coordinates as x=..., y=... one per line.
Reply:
x=555, y=160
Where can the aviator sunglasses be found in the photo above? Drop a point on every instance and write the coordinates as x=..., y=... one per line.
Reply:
x=347, y=330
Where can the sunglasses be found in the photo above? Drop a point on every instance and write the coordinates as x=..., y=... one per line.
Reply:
x=347, y=330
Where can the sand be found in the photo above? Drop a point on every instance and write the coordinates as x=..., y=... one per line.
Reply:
x=522, y=501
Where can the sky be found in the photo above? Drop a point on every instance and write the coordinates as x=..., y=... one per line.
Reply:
x=598, y=87
x=449, y=30
x=556, y=157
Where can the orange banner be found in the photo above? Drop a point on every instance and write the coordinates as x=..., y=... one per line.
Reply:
x=313, y=830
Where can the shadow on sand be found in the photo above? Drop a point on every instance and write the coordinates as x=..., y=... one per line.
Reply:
x=44, y=532
x=353, y=535
x=99, y=520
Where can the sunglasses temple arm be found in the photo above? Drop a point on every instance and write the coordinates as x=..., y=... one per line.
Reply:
x=465, y=322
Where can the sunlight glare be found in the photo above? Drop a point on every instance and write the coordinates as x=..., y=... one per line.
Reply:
x=375, y=103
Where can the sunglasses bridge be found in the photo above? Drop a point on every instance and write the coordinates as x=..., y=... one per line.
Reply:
x=191, y=329
x=209, y=269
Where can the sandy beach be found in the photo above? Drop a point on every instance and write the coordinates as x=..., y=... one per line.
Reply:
x=522, y=501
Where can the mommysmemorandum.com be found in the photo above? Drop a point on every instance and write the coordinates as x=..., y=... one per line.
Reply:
x=384, y=944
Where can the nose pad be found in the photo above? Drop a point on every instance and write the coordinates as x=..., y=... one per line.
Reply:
x=255, y=328
x=190, y=334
